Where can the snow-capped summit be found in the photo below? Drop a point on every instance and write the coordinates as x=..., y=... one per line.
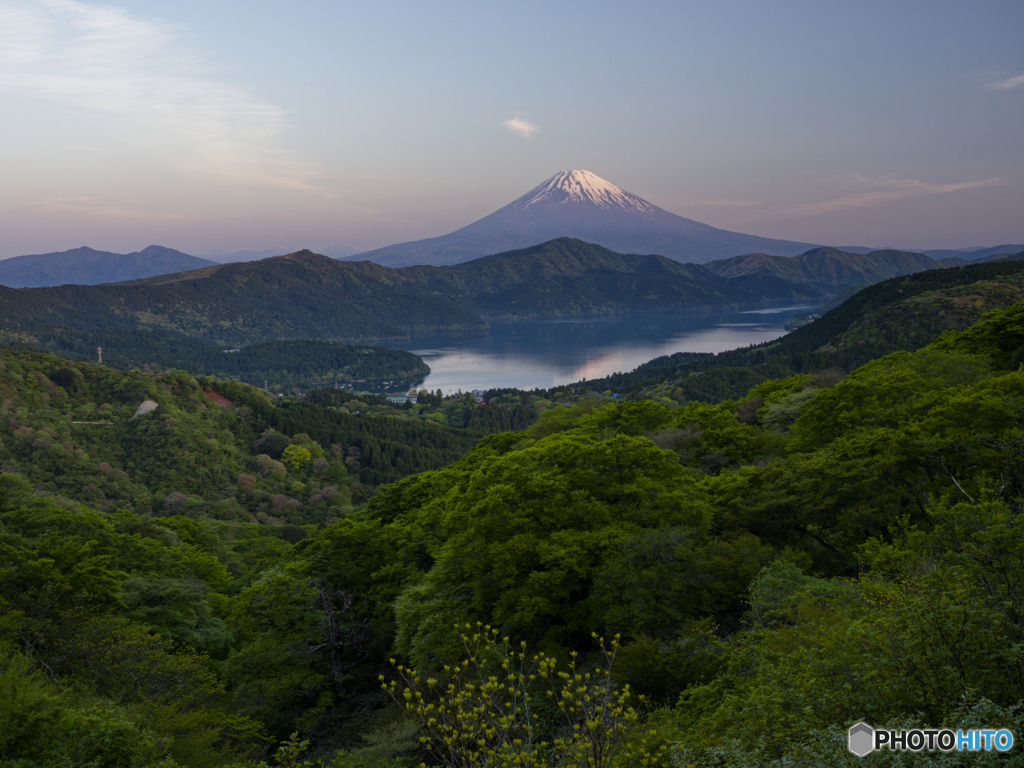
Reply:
x=581, y=204
x=581, y=187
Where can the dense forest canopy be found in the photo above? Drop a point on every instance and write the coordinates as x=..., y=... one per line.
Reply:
x=192, y=584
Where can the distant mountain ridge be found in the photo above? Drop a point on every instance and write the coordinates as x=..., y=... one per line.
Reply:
x=86, y=266
x=1001, y=257
x=829, y=269
x=975, y=254
x=581, y=205
x=306, y=295
x=570, y=278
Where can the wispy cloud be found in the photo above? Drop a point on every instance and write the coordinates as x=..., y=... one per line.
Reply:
x=520, y=127
x=102, y=59
x=862, y=192
x=1008, y=84
x=888, y=189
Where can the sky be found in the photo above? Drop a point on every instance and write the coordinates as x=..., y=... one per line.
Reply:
x=222, y=125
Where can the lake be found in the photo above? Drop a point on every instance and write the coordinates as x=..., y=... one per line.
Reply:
x=546, y=353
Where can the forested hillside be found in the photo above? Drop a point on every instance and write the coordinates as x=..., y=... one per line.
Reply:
x=277, y=365
x=829, y=269
x=571, y=278
x=72, y=430
x=287, y=297
x=306, y=296
x=191, y=585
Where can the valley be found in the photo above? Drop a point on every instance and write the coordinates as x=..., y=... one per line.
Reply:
x=253, y=560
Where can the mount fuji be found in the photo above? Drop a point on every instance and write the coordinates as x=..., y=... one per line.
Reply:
x=584, y=206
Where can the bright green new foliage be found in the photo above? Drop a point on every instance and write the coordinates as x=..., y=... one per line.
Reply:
x=485, y=710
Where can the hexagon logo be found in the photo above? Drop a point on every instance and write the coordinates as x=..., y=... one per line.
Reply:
x=861, y=739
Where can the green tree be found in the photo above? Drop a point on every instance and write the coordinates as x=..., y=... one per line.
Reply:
x=295, y=457
x=43, y=726
x=525, y=538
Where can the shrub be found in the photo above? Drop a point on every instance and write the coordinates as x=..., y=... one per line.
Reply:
x=484, y=712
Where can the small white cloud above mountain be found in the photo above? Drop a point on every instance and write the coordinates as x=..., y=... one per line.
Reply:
x=521, y=127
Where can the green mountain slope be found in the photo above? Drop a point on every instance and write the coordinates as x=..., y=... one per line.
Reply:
x=925, y=316
x=568, y=277
x=74, y=429
x=882, y=297
x=519, y=284
x=304, y=295
x=829, y=269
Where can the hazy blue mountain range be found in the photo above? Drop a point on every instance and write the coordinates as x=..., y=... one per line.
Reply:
x=977, y=253
x=1003, y=257
x=85, y=266
x=581, y=205
x=306, y=295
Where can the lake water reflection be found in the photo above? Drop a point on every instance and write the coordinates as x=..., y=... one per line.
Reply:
x=543, y=354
